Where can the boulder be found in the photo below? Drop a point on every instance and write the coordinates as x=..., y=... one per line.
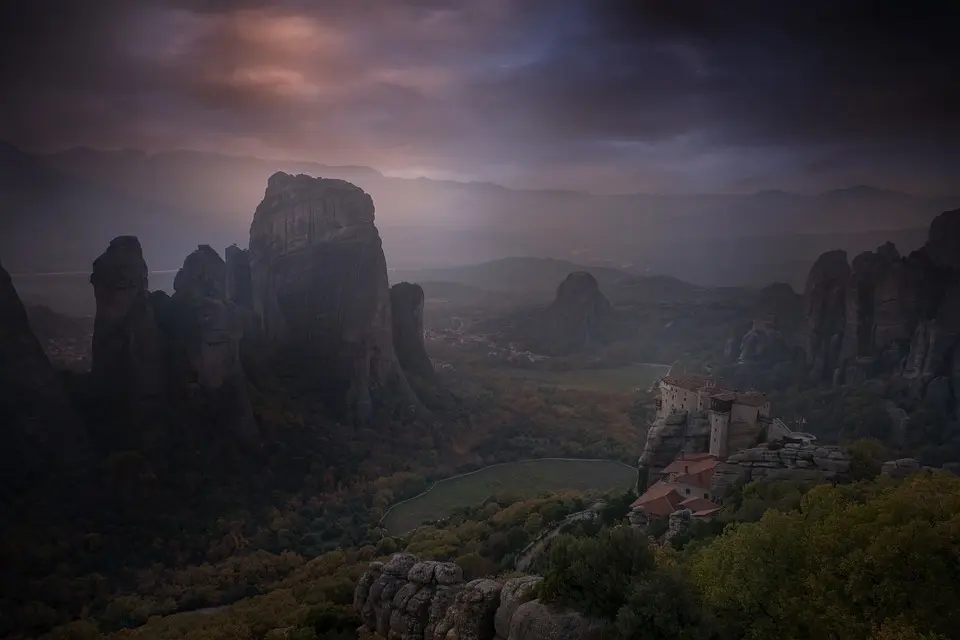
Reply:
x=678, y=524
x=41, y=428
x=536, y=621
x=899, y=468
x=471, y=616
x=320, y=290
x=514, y=593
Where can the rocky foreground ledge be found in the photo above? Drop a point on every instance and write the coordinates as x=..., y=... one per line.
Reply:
x=410, y=599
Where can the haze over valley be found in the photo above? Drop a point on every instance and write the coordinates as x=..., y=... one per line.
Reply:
x=487, y=320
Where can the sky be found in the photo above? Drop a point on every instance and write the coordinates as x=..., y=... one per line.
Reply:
x=599, y=95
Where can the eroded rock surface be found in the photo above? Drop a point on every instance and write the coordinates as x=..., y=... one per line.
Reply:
x=202, y=333
x=899, y=319
x=38, y=418
x=790, y=462
x=167, y=368
x=320, y=289
x=406, y=599
x=580, y=316
x=406, y=308
x=128, y=365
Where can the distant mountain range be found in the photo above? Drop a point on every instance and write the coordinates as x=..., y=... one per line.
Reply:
x=58, y=211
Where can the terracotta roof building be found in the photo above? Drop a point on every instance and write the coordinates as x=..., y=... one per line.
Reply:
x=685, y=485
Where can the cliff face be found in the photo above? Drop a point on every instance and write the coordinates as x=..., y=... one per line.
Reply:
x=38, y=420
x=890, y=317
x=687, y=432
x=202, y=334
x=580, y=316
x=791, y=461
x=162, y=363
x=407, y=599
x=320, y=289
x=406, y=309
x=128, y=364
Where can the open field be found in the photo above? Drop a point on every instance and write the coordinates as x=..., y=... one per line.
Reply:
x=526, y=479
x=619, y=379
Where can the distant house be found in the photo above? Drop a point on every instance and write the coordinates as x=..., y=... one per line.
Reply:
x=684, y=485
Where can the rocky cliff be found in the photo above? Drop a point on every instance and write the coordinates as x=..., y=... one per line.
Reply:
x=890, y=317
x=580, y=316
x=202, y=333
x=128, y=362
x=162, y=365
x=687, y=432
x=406, y=309
x=320, y=290
x=408, y=599
x=780, y=462
x=39, y=424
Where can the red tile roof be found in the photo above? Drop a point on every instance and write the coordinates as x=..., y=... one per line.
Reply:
x=661, y=499
x=692, y=466
x=696, y=504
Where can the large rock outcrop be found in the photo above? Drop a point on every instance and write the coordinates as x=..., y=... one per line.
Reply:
x=407, y=599
x=128, y=365
x=167, y=369
x=320, y=290
x=39, y=422
x=580, y=316
x=202, y=333
x=668, y=436
x=825, y=296
x=781, y=462
x=688, y=432
x=406, y=309
x=890, y=317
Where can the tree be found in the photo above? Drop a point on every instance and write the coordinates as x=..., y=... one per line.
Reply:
x=855, y=561
x=591, y=574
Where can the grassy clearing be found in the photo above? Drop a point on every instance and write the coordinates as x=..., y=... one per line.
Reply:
x=526, y=479
x=617, y=380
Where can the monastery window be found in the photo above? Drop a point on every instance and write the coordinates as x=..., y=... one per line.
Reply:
x=687, y=491
x=706, y=496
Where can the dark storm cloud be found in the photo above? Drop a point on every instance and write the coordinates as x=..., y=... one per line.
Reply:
x=627, y=92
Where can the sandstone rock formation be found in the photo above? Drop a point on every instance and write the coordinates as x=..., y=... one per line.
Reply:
x=580, y=316
x=790, y=461
x=825, y=297
x=891, y=317
x=764, y=343
x=321, y=292
x=687, y=432
x=38, y=420
x=239, y=286
x=128, y=365
x=406, y=599
x=900, y=468
x=406, y=309
x=162, y=364
x=202, y=334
